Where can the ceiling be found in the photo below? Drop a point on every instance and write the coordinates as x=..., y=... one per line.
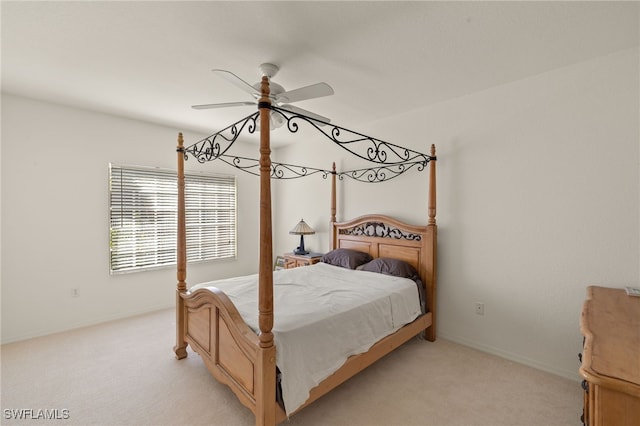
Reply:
x=152, y=60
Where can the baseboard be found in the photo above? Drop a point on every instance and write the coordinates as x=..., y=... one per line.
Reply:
x=567, y=374
x=82, y=324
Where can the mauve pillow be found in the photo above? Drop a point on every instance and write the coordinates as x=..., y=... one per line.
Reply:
x=346, y=258
x=389, y=266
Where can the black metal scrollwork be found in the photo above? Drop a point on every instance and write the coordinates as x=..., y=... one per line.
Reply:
x=212, y=147
x=393, y=160
x=290, y=171
x=382, y=173
x=278, y=170
x=380, y=229
x=362, y=146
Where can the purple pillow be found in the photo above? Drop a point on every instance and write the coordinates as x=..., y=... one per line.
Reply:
x=346, y=258
x=389, y=266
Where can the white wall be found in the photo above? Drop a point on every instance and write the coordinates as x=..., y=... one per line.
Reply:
x=55, y=218
x=538, y=197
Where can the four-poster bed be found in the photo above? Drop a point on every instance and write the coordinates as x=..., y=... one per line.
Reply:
x=239, y=349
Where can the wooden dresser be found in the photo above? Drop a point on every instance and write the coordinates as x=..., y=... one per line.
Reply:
x=610, y=325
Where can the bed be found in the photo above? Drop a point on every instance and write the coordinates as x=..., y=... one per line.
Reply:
x=237, y=340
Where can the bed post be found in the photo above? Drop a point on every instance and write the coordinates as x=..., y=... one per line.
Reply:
x=332, y=237
x=432, y=232
x=180, y=348
x=266, y=363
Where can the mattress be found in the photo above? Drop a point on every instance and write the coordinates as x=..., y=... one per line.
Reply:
x=322, y=315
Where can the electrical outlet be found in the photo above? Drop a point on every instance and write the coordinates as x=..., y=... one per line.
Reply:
x=75, y=292
x=479, y=307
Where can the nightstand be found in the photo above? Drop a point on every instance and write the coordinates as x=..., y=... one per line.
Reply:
x=294, y=260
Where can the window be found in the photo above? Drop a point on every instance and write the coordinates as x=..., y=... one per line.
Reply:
x=143, y=215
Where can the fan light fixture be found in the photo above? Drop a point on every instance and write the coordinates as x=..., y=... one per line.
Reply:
x=276, y=120
x=279, y=96
x=302, y=229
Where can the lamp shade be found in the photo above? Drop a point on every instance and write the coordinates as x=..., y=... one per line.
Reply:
x=302, y=229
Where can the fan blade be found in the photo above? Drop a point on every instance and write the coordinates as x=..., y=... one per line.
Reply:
x=222, y=105
x=237, y=81
x=317, y=90
x=297, y=110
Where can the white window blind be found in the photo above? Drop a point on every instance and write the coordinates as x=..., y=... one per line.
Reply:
x=143, y=217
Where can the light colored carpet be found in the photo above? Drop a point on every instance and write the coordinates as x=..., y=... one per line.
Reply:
x=124, y=373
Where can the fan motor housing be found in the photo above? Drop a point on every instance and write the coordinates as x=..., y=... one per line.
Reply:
x=270, y=70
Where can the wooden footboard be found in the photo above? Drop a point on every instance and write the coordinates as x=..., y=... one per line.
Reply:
x=230, y=349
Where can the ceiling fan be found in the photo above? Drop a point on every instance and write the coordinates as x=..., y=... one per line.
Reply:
x=279, y=96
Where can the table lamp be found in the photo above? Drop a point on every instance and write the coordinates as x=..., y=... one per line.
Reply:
x=301, y=229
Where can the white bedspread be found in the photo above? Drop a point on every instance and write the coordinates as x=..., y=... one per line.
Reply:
x=322, y=315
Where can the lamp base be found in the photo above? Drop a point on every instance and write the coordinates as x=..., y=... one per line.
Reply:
x=300, y=249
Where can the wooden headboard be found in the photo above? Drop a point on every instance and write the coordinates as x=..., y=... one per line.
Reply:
x=381, y=236
x=384, y=236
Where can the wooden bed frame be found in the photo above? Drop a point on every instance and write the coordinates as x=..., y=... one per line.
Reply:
x=245, y=361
